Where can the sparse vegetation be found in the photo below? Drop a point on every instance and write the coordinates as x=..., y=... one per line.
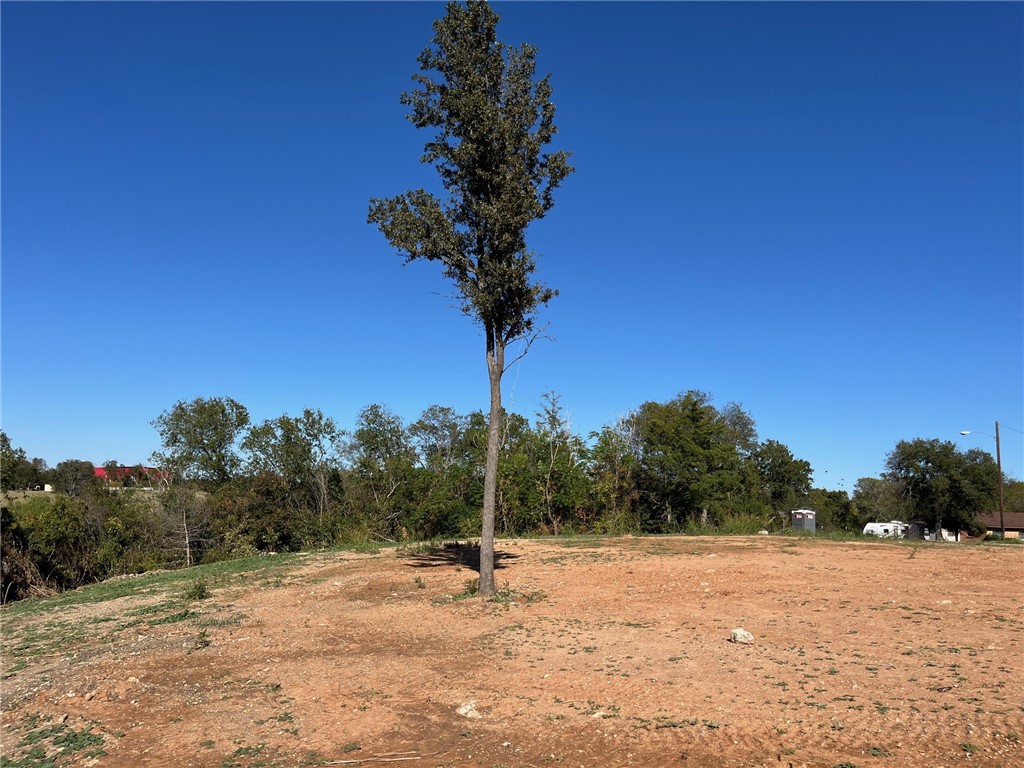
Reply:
x=544, y=642
x=197, y=589
x=45, y=743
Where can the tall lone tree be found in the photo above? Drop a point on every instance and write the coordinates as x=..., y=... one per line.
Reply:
x=491, y=122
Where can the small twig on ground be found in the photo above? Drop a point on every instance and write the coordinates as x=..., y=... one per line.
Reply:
x=389, y=757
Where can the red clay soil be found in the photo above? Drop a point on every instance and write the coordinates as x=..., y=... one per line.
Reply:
x=610, y=652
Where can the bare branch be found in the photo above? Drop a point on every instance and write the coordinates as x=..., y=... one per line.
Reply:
x=529, y=343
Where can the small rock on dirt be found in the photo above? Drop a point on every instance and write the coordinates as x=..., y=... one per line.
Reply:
x=740, y=635
x=468, y=709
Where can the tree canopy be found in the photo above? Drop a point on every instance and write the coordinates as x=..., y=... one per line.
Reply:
x=942, y=484
x=492, y=121
x=199, y=438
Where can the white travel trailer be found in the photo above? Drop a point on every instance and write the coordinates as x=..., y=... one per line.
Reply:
x=894, y=529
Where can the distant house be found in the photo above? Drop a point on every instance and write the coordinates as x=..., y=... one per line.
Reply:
x=138, y=475
x=1014, y=522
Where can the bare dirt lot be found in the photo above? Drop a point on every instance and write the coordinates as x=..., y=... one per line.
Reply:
x=598, y=652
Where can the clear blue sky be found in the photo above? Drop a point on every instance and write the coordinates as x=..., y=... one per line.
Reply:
x=812, y=209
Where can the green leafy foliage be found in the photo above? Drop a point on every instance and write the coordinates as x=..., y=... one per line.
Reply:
x=199, y=439
x=695, y=462
x=878, y=499
x=64, y=537
x=941, y=484
x=492, y=121
x=683, y=466
x=74, y=477
x=304, y=453
x=17, y=472
x=613, y=492
x=19, y=573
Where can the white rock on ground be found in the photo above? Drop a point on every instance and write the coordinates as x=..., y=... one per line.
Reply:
x=740, y=635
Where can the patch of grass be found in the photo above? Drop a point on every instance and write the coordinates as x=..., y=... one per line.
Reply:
x=249, y=751
x=154, y=584
x=584, y=540
x=149, y=610
x=40, y=639
x=506, y=596
x=49, y=744
x=419, y=548
x=470, y=589
x=365, y=547
x=232, y=620
x=664, y=722
x=197, y=589
x=16, y=667
x=173, y=618
x=999, y=541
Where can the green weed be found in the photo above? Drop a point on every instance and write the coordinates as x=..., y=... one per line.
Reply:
x=470, y=589
x=197, y=589
x=49, y=744
x=202, y=640
x=173, y=618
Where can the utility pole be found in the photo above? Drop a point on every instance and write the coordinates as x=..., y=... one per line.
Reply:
x=999, y=466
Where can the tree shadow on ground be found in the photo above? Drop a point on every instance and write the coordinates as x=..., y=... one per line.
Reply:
x=457, y=553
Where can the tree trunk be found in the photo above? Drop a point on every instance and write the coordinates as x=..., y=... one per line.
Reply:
x=495, y=369
x=549, y=501
x=188, y=545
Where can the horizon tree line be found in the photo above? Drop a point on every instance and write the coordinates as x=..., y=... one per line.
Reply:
x=228, y=488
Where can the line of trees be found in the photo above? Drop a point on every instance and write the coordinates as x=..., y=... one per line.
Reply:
x=227, y=487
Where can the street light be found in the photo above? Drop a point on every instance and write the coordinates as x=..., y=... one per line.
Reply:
x=999, y=466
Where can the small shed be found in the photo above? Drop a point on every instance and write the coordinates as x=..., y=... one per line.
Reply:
x=917, y=529
x=803, y=520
